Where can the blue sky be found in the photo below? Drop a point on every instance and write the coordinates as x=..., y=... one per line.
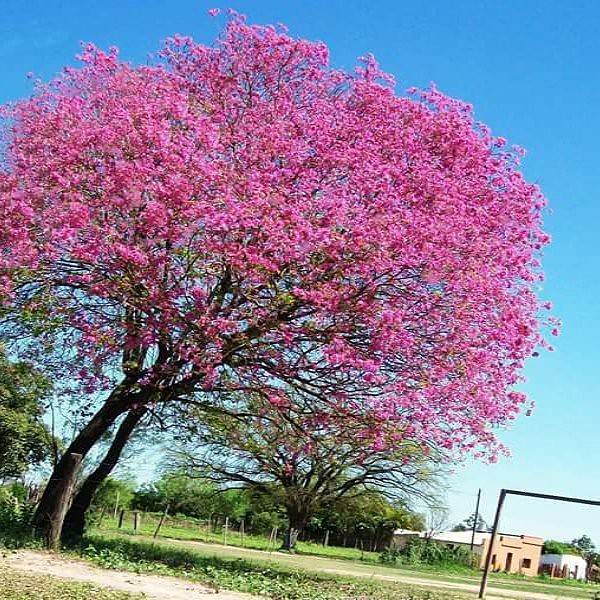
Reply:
x=531, y=70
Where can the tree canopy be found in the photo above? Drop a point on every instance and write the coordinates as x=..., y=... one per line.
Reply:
x=24, y=439
x=305, y=464
x=245, y=217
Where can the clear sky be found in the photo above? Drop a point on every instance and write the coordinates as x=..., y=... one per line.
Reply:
x=531, y=70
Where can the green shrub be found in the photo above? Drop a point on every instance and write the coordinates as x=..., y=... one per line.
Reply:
x=15, y=516
x=554, y=547
x=423, y=551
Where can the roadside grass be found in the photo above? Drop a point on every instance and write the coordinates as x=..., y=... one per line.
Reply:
x=18, y=585
x=286, y=577
x=258, y=577
x=189, y=529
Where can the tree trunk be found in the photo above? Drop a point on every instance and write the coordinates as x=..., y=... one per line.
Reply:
x=73, y=463
x=54, y=501
x=74, y=524
x=290, y=539
x=297, y=520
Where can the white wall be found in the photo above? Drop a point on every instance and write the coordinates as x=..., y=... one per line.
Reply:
x=575, y=564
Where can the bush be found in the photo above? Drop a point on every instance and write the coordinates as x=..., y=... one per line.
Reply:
x=15, y=516
x=420, y=551
x=554, y=547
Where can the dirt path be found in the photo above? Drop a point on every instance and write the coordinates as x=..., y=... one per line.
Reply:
x=155, y=587
x=492, y=592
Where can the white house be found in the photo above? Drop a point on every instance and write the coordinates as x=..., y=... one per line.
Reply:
x=565, y=565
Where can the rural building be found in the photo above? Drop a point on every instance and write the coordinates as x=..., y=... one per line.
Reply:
x=568, y=566
x=511, y=553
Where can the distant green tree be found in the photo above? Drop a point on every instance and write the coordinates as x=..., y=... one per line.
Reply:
x=192, y=496
x=112, y=489
x=24, y=439
x=555, y=547
x=467, y=524
x=585, y=546
x=367, y=519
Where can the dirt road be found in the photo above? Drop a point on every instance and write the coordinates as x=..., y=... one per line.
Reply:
x=155, y=587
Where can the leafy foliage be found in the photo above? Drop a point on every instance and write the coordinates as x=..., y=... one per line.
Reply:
x=366, y=520
x=428, y=552
x=555, y=547
x=24, y=439
x=15, y=515
x=585, y=546
x=467, y=524
x=112, y=489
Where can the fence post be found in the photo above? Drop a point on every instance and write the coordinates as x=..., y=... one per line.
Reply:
x=136, y=521
x=242, y=532
x=121, y=516
x=225, y=528
x=162, y=520
x=101, y=516
x=117, y=505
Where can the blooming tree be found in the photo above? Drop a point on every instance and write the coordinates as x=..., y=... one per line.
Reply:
x=244, y=217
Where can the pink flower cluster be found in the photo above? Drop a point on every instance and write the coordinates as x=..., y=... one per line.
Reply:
x=245, y=210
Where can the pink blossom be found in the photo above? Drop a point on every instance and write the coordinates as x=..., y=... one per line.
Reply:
x=310, y=226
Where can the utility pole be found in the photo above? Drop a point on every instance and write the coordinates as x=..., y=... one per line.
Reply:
x=476, y=519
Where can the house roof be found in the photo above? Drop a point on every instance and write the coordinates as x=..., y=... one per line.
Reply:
x=458, y=537
x=453, y=537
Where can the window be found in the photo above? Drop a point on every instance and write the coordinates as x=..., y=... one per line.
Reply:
x=527, y=563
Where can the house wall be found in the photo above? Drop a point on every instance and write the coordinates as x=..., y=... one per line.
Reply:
x=575, y=565
x=515, y=554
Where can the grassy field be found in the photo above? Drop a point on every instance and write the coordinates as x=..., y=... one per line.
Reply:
x=293, y=577
x=16, y=585
x=182, y=528
x=185, y=529
x=263, y=577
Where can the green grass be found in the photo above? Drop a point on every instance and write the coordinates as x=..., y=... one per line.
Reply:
x=188, y=529
x=182, y=536
x=258, y=577
x=185, y=528
x=17, y=585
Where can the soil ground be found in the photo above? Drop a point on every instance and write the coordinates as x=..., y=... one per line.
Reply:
x=153, y=586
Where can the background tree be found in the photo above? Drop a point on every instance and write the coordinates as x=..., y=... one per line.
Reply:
x=467, y=524
x=585, y=545
x=556, y=547
x=113, y=492
x=246, y=217
x=306, y=467
x=24, y=439
x=367, y=520
x=587, y=548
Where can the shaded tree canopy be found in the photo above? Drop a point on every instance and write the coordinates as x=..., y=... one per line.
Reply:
x=24, y=439
x=302, y=462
